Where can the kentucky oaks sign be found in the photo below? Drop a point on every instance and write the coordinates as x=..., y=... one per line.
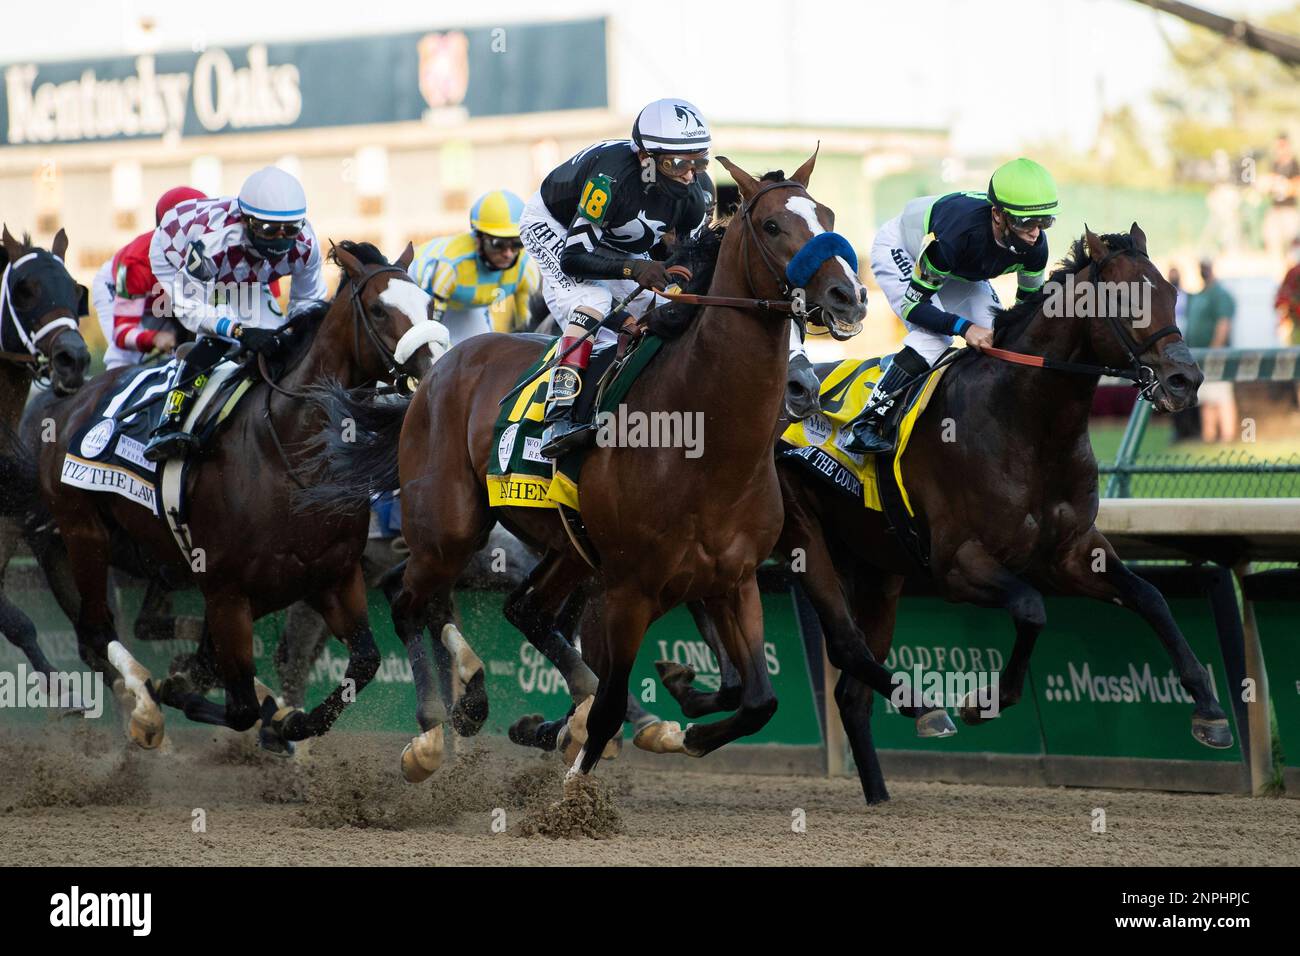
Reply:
x=488, y=71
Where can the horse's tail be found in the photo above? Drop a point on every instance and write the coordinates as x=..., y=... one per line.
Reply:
x=354, y=455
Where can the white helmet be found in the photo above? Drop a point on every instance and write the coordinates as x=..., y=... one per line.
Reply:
x=671, y=126
x=272, y=195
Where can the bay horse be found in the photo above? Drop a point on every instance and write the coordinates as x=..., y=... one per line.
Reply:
x=257, y=554
x=667, y=529
x=1009, y=507
x=39, y=342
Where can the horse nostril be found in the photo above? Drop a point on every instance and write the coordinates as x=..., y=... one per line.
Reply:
x=839, y=296
x=1178, y=382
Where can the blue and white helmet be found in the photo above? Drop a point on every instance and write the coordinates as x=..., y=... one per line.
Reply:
x=272, y=195
x=671, y=126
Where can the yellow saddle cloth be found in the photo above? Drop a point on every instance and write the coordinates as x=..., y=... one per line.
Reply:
x=818, y=440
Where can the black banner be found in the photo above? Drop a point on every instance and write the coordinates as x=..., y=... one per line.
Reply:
x=480, y=71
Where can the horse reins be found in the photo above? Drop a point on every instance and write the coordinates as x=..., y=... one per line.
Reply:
x=363, y=321
x=1141, y=375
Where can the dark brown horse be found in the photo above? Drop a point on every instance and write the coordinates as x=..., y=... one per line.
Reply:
x=1001, y=472
x=668, y=529
x=257, y=555
x=39, y=341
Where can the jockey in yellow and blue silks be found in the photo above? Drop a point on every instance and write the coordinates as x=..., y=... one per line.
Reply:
x=469, y=273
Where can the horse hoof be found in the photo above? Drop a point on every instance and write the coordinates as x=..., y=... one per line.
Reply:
x=935, y=723
x=269, y=737
x=146, y=733
x=290, y=723
x=524, y=730
x=422, y=756
x=663, y=737
x=577, y=725
x=471, y=709
x=568, y=747
x=1212, y=733
x=613, y=747
x=671, y=673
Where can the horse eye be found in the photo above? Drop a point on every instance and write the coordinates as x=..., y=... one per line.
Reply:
x=771, y=228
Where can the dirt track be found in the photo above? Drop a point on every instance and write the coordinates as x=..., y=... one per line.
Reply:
x=73, y=794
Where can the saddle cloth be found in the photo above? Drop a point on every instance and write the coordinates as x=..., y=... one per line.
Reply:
x=818, y=441
x=518, y=475
x=107, y=454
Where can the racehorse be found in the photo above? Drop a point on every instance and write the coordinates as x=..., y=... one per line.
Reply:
x=256, y=555
x=1001, y=472
x=667, y=529
x=39, y=341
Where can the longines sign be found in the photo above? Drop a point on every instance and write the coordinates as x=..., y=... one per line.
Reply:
x=486, y=71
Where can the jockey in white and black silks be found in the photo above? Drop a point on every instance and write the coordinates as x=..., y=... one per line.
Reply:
x=933, y=262
x=216, y=259
x=591, y=226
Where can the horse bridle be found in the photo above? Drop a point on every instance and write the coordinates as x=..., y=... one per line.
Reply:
x=391, y=364
x=1144, y=376
x=34, y=357
x=1141, y=375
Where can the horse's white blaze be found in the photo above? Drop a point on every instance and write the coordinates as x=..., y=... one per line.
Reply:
x=806, y=209
x=407, y=298
x=467, y=662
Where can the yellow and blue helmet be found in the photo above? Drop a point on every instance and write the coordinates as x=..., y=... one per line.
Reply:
x=497, y=214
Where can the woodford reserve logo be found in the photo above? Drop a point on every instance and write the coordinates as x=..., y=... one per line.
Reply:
x=149, y=103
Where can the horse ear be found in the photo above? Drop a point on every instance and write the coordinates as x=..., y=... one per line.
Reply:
x=747, y=184
x=12, y=246
x=804, y=172
x=60, y=244
x=404, y=260
x=1096, y=247
x=349, y=263
x=1139, y=238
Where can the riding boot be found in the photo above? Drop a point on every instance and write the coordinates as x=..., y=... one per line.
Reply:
x=563, y=431
x=169, y=439
x=873, y=432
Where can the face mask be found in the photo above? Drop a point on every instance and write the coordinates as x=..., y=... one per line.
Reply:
x=672, y=187
x=271, y=248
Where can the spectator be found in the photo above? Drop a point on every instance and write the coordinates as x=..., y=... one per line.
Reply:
x=1209, y=325
x=1282, y=222
x=1187, y=423
x=1287, y=301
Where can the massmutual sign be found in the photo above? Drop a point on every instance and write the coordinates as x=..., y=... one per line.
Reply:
x=487, y=71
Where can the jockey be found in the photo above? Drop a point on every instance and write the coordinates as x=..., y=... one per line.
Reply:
x=933, y=263
x=591, y=227
x=125, y=290
x=467, y=273
x=216, y=258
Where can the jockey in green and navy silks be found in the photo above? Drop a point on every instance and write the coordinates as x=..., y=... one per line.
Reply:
x=933, y=262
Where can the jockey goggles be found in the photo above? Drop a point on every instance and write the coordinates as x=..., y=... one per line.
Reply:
x=501, y=243
x=678, y=165
x=272, y=229
x=1029, y=222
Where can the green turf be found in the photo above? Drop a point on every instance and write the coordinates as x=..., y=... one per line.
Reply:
x=1158, y=448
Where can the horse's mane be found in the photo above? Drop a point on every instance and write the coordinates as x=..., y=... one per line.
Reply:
x=1009, y=323
x=700, y=255
x=26, y=248
x=307, y=322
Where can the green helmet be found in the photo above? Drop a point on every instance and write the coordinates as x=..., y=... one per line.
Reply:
x=1024, y=189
